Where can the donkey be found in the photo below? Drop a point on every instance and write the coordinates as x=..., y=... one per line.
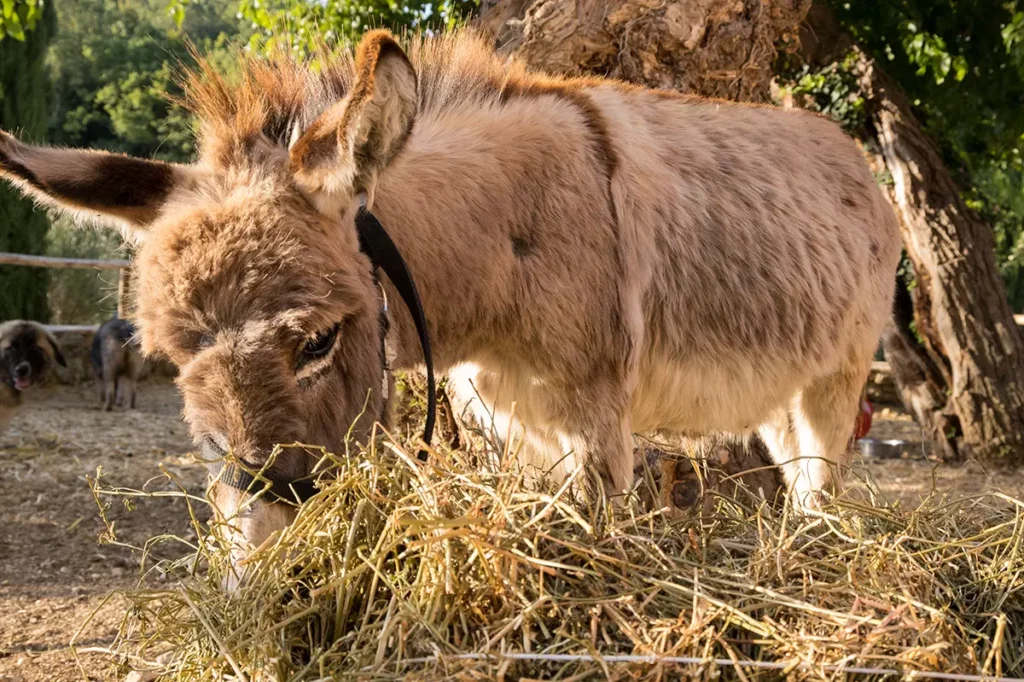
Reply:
x=606, y=258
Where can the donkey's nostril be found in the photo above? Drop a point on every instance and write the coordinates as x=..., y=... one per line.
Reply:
x=212, y=448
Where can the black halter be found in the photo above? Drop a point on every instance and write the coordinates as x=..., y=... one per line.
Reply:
x=375, y=242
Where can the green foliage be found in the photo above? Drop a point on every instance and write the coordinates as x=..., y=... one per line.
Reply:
x=832, y=91
x=115, y=63
x=961, y=62
x=300, y=24
x=18, y=17
x=25, y=100
x=998, y=195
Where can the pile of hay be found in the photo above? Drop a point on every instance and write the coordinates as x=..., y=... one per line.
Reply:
x=442, y=570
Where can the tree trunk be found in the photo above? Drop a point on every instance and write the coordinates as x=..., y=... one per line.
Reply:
x=963, y=316
x=716, y=48
x=962, y=373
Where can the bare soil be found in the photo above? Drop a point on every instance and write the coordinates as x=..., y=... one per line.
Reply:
x=59, y=582
x=54, y=573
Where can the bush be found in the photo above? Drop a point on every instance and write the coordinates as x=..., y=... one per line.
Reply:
x=82, y=296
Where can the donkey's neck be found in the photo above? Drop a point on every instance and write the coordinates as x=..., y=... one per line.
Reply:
x=480, y=202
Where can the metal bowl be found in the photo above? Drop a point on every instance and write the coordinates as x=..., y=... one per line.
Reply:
x=881, y=449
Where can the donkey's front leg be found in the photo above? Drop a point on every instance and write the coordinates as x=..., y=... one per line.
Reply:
x=606, y=448
x=601, y=436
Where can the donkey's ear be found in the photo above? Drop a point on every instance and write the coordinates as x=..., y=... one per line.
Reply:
x=345, y=149
x=100, y=187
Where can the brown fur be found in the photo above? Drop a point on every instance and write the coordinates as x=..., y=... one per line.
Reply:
x=117, y=363
x=605, y=258
x=26, y=343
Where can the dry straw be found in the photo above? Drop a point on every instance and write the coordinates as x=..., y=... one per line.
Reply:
x=453, y=569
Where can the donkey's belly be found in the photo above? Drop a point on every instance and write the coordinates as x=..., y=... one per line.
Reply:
x=687, y=397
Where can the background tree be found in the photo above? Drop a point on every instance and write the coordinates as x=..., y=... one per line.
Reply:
x=953, y=115
x=26, y=28
x=114, y=63
x=300, y=24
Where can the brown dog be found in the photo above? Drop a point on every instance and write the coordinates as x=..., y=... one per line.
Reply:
x=116, y=361
x=26, y=351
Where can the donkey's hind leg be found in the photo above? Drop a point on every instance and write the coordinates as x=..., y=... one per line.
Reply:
x=824, y=416
x=809, y=442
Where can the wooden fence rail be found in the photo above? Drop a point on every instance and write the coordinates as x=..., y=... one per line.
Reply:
x=71, y=328
x=52, y=262
x=122, y=266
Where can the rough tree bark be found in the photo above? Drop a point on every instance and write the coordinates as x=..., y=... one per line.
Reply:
x=962, y=374
x=716, y=48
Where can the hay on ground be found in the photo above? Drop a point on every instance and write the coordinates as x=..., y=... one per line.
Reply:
x=400, y=569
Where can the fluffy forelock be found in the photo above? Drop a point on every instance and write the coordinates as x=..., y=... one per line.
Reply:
x=266, y=100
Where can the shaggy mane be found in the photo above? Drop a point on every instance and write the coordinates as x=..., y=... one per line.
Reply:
x=269, y=99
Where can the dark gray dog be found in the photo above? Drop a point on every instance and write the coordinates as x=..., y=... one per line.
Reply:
x=116, y=355
x=26, y=351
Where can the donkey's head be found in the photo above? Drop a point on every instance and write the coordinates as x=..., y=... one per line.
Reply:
x=250, y=276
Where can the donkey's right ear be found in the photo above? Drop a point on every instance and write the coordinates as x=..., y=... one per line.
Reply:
x=114, y=189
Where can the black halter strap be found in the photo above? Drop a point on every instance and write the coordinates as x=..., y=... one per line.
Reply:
x=277, y=488
x=375, y=242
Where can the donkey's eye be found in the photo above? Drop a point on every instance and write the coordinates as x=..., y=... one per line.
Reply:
x=319, y=346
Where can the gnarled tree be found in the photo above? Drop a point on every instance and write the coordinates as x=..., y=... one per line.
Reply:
x=961, y=367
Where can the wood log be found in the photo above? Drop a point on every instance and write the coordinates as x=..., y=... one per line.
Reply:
x=54, y=262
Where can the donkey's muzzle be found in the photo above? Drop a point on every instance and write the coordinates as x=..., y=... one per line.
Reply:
x=211, y=451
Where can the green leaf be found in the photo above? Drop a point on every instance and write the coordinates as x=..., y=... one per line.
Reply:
x=959, y=68
x=14, y=28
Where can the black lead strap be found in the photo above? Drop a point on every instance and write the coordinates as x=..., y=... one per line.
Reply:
x=375, y=242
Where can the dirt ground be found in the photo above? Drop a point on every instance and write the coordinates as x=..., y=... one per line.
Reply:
x=54, y=574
